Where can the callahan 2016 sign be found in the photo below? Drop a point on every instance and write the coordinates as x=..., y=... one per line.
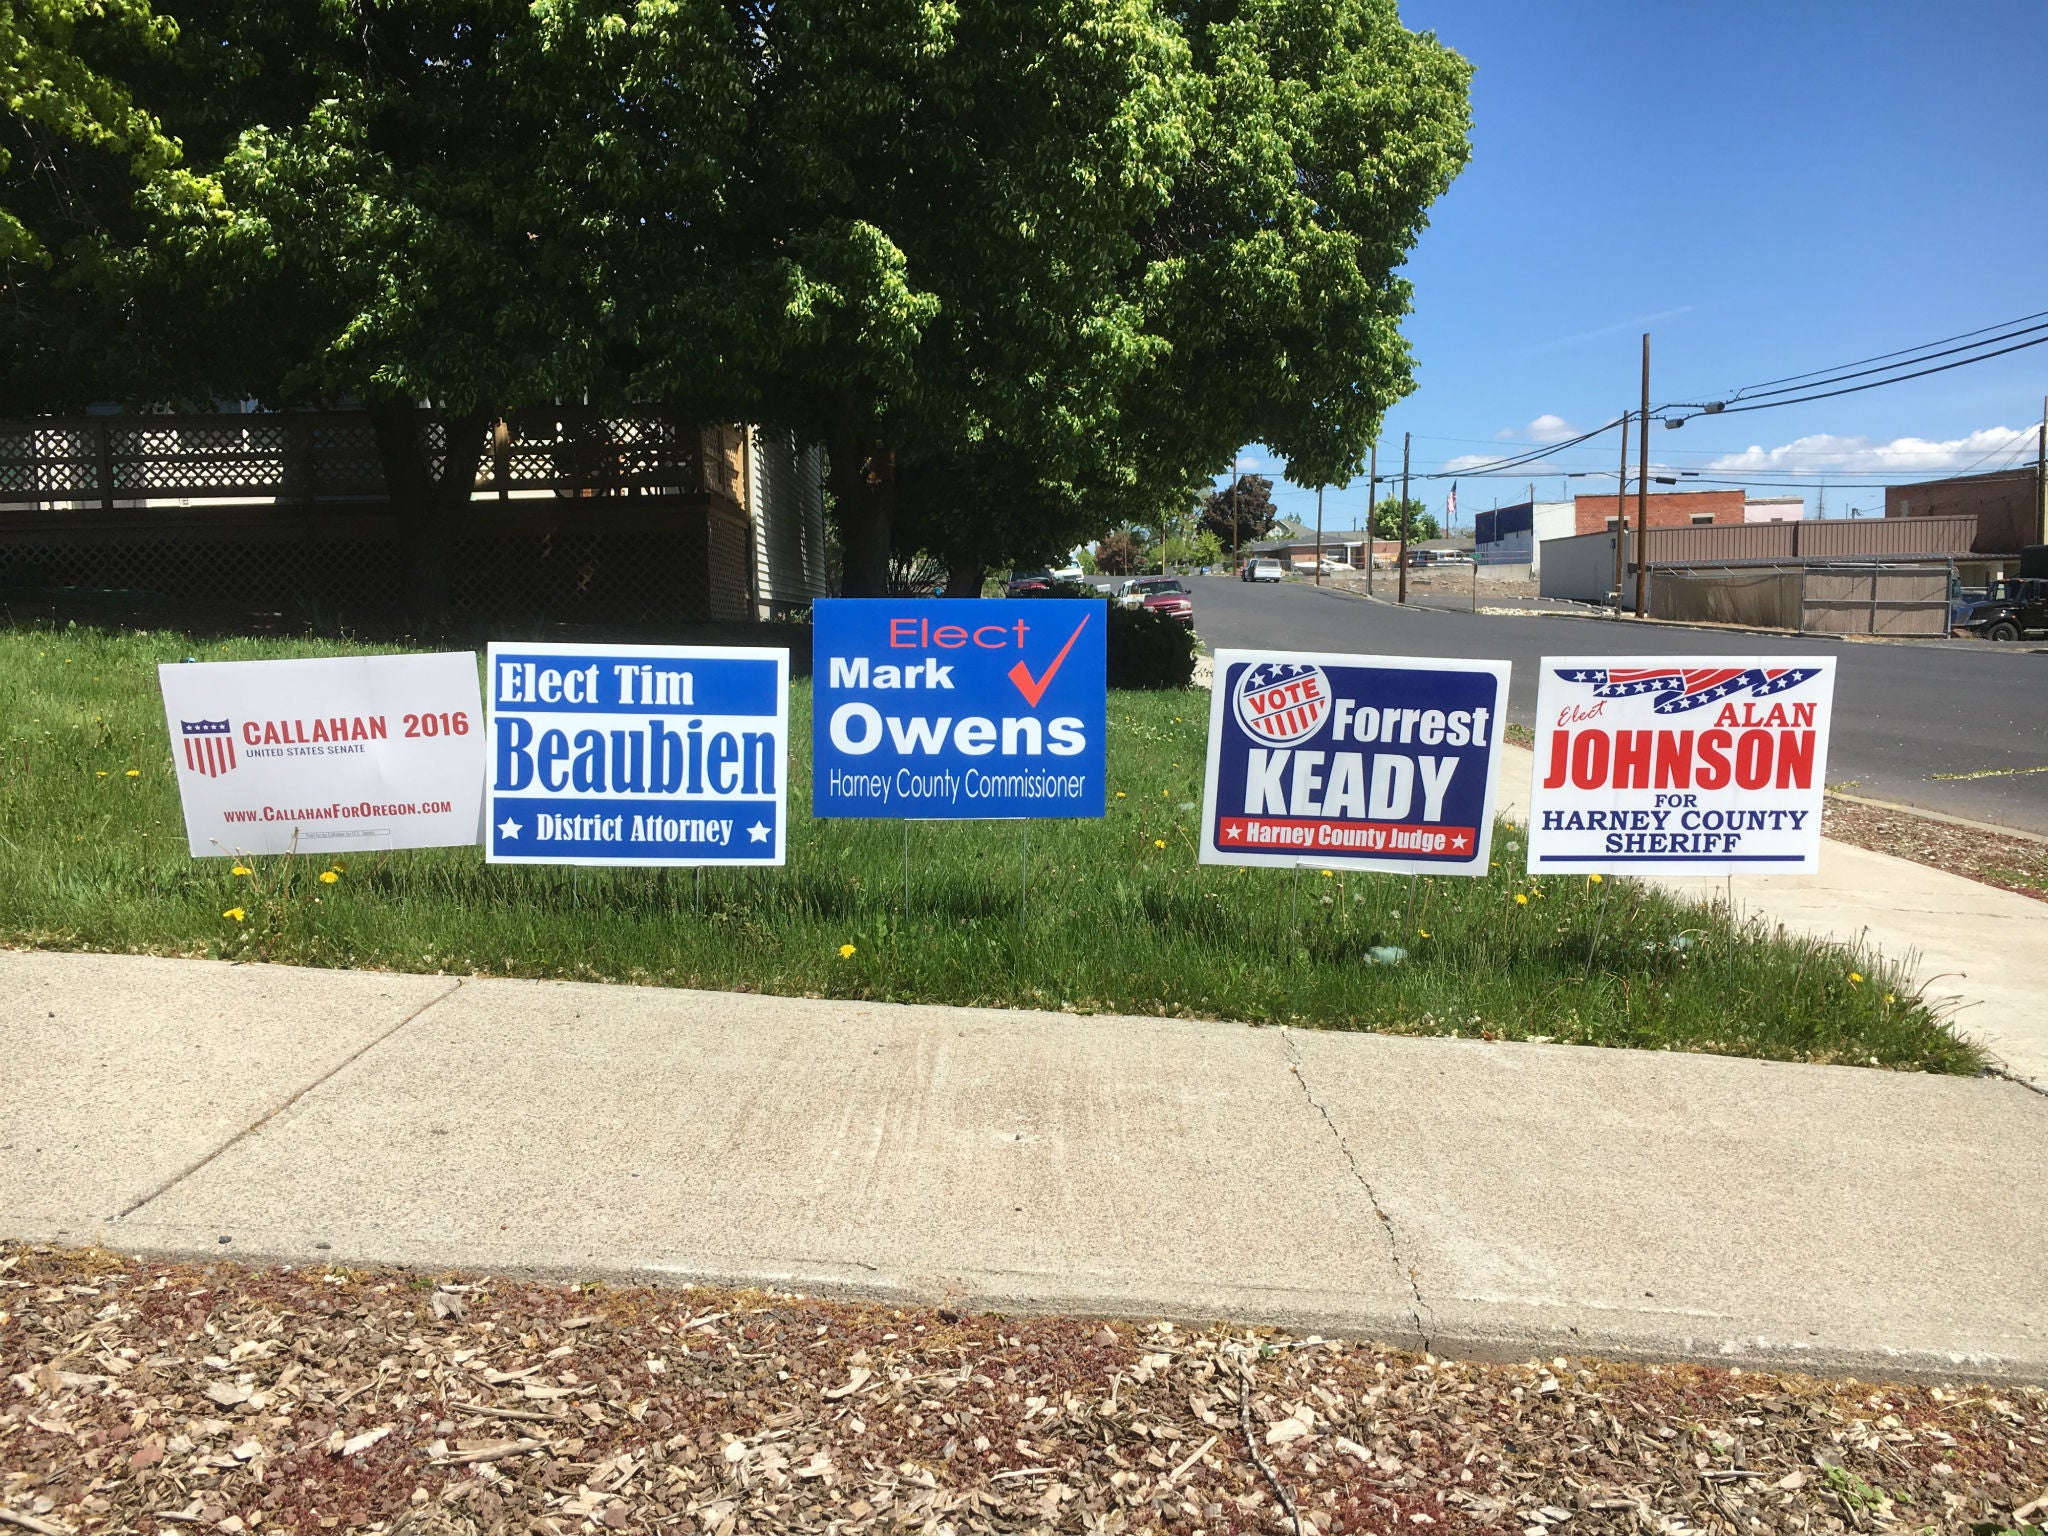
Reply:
x=1696, y=765
x=637, y=754
x=959, y=708
x=1372, y=762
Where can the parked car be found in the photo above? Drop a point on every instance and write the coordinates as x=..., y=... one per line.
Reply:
x=1262, y=570
x=2009, y=610
x=1067, y=573
x=1329, y=565
x=1026, y=583
x=1160, y=594
x=1424, y=558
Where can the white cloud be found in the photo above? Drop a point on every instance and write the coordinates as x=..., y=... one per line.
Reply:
x=1544, y=429
x=1826, y=453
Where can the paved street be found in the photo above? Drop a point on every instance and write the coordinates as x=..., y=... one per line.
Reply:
x=1904, y=712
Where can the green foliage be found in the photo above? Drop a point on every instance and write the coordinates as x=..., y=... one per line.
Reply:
x=1149, y=650
x=1386, y=520
x=1200, y=548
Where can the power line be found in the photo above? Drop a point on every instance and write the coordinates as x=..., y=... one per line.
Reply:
x=1792, y=378
x=1836, y=377
x=1853, y=389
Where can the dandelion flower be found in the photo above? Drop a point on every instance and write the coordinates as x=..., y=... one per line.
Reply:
x=328, y=877
x=846, y=951
x=236, y=913
x=1890, y=998
x=1856, y=977
x=1119, y=794
x=1593, y=879
x=134, y=773
x=240, y=869
x=1423, y=932
x=1521, y=900
x=101, y=774
x=1158, y=842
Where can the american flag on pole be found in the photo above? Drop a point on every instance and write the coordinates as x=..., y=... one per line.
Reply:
x=209, y=746
x=1451, y=501
x=1678, y=689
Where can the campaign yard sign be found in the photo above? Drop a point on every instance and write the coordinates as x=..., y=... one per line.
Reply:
x=1352, y=762
x=1687, y=765
x=637, y=754
x=957, y=709
x=327, y=755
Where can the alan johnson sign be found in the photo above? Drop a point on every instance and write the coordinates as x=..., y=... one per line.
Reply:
x=1366, y=762
x=637, y=754
x=1701, y=765
x=329, y=755
x=959, y=708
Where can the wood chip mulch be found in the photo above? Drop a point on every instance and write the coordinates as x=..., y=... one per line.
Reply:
x=2015, y=863
x=155, y=1396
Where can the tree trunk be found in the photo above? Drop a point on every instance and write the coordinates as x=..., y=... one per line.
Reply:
x=965, y=580
x=863, y=495
x=427, y=508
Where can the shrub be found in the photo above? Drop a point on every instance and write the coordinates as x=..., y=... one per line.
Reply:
x=1149, y=650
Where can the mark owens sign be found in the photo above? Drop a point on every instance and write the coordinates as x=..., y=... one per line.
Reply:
x=1697, y=765
x=637, y=754
x=1335, y=761
x=939, y=709
x=330, y=755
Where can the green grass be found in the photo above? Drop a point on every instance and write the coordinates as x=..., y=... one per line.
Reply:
x=1120, y=917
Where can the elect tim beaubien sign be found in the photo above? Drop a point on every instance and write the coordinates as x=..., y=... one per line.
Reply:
x=1682, y=765
x=959, y=708
x=637, y=754
x=1347, y=762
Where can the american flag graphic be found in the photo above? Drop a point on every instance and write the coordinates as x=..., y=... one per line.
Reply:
x=209, y=746
x=1281, y=701
x=1678, y=689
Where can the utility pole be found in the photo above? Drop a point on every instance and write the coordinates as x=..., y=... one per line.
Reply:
x=1319, y=535
x=1372, y=498
x=1621, y=513
x=2041, y=470
x=1643, y=485
x=1404, y=518
x=1236, y=528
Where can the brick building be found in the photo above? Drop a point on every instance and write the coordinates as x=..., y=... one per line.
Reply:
x=1674, y=509
x=2007, y=505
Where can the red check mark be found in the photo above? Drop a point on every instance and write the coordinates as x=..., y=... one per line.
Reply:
x=1033, y=688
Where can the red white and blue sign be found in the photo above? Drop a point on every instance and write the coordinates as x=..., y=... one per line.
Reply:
x=646, y=755
x=1353, y=762
x=1681, y=765
x=959, y=709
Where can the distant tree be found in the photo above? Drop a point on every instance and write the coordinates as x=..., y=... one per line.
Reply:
x=1204, y=548
x=1386, y=520
x=1239, y=519
x=1122, y=553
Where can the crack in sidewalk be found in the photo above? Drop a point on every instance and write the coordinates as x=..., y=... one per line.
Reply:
x=272, y=1113
x=1420, y=1311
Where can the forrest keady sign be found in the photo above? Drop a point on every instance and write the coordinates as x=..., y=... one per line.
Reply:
x=327, y=755
x=1373, y=762
x=1697, y=765
x=637, y=754
x=937, y=709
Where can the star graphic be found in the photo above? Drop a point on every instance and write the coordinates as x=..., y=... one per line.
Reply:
x=758, y=832
x=508, y=828
x=1233, y=833
x=1458, y=842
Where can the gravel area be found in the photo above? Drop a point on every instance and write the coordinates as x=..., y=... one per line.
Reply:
x=147, y=1396
x=2016, y=863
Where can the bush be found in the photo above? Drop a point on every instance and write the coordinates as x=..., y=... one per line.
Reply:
x=1149, y=650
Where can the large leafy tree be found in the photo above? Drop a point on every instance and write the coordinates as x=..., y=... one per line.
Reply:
x=1241, y=512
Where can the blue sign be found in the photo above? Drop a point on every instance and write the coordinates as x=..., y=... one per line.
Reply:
x=637, y=754
x=956, y=709
x=1348, y=762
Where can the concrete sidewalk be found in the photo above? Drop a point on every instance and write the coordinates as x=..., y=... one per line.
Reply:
x=1979, y=953
x=1468, y=1197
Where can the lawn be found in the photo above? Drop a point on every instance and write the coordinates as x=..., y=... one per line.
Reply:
x=1117, y=917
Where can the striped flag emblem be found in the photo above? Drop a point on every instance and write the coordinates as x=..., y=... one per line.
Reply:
x=209, y=746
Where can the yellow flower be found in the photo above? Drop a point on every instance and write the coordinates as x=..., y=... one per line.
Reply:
x=1855, y=977
x=846, y=951
x=1593, y=879
x=134, y=773
x=328, y=877
x=1119, y=794
x=1329, y=874
x=1889, y=998
x=236, y=913
x=1521, y=900
x=1158, y=842
x=1424, y=932
x=101, y=774
x=241, y=869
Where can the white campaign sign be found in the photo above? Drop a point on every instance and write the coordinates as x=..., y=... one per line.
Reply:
x=1680, y=765
x=338, y=754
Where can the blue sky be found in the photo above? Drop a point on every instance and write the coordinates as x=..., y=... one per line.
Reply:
x=1767, y=188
